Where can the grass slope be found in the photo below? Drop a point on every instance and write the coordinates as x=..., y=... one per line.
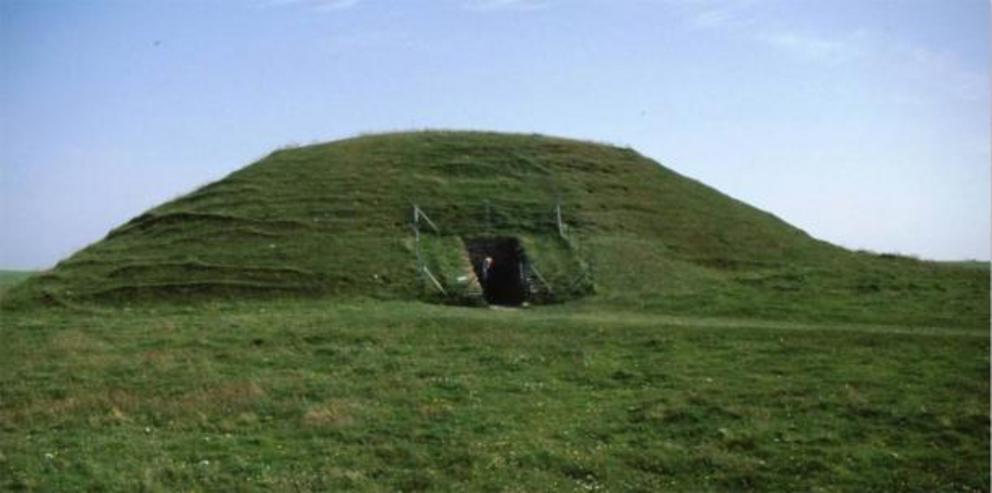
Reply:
x=333, y=220
x=387, y=396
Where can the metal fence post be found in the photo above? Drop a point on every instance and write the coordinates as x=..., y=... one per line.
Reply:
x=489, y=216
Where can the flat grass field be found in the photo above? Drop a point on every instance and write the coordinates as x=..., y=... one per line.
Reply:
x=402, y=396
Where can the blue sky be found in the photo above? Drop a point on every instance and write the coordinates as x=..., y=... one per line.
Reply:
x=865, y=123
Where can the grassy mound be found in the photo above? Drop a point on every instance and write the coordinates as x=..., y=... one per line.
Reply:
x=334, y=220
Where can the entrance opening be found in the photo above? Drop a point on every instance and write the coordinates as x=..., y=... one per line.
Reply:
x=499, y=266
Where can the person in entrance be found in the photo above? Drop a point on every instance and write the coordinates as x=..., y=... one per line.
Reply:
x=487, y=265
x=497, y=262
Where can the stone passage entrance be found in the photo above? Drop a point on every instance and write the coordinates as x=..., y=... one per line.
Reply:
x=502, y=276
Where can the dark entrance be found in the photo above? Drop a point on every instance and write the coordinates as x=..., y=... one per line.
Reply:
x=502, y=278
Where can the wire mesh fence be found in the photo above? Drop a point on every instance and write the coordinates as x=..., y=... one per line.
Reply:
x=490, y=217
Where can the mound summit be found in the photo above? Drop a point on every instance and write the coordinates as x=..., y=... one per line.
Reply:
x=412, y=215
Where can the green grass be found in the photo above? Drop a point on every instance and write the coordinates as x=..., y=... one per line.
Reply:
x=970, y=264
x=373, y=396
x=216, y=342
x=333, y=220
x=10, y=278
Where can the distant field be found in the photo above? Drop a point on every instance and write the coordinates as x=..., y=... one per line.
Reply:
x=312, y=396
x=970, y=264
x=9, y=278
